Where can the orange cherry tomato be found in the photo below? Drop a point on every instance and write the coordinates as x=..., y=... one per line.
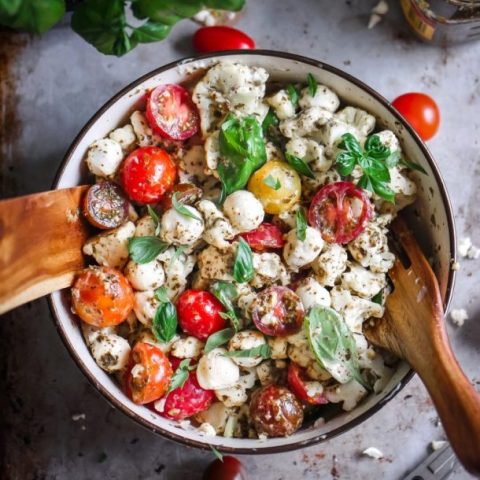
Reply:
x=421, y=111
x=150, y=375
x=102, y=296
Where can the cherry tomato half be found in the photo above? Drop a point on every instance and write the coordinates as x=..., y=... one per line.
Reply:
x=199, y=313
x=186, y=401
x=147, y=173
x=229, y=468
x=171, y=112
x=277, y=311
x=150, y=375
x=102, y=296
x=297, y=382
x=275, y=411
x=340, y=211
x=215, y=39
x=187, y=194
x=421, y=111
x=266, y=237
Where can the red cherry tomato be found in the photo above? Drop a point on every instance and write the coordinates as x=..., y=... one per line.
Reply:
x=214, y=39
x=102, y=296
x=150, y=375
x=171, y=112
x=199, y=313
x=147, y=173
x=277, y=311
x=275, y=411
x=266, y=237
x=185, y=401
x=421, y=111
x=334, y=213
x=296, y=381
x=228, y=469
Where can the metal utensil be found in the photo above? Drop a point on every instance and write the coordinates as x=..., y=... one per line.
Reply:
x=437, y=466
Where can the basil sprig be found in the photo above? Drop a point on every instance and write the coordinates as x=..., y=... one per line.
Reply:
x=273, y=183
x=263, y=351
x=312, y=85
x=243, y=264
x=155, y=219
x=333, y=344
x=218, y=339
x=300, y=165
x=145, y=249
x=180, y=375
x=301, y=224
x=227, y=293
x=242, y=150
x=292, y=94
x=164, y=325
x=182, y=209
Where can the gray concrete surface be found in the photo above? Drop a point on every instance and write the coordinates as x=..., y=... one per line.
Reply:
x=50, y=86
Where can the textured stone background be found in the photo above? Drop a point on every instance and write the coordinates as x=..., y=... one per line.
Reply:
x=50, y=86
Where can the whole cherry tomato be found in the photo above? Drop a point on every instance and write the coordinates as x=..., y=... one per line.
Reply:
x=266, y=237
x=297, y=381
x=275, y=411
x=187, y=400
x=421, y=111
x=147, y=173
x=228, y=469
x=150, y=375
x=214, y=39
x=199, y=313
x=171, y=112
x=102, y=296
x=333, y=213
x=277, y=311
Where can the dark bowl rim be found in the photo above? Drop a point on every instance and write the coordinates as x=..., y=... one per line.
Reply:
x=445, y=200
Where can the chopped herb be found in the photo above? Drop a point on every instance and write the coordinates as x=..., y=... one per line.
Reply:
x=145, y=249
x=182, y=209
x=243, y=265
x=312, y=85
x=271, y=182
x=270, y=121
x=155, y=219
x=180, y=376
x=218, y=338
x=301, y=166
x=412, y=165
x=292, y=94
x=301, y=224
x=378, y=298
x=161, y=295
x=263, y=351
x=216, y=453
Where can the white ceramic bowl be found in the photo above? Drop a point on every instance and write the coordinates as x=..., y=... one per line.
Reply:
x=431, y=220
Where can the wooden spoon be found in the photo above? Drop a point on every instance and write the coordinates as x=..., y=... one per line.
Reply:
x=413, y=329
x=41, y=239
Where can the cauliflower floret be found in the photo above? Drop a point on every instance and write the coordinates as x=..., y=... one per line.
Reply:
x=311, y=152
x=282, y=104
x=230, y=87
x=246, y=296
x=405, y=191
x=268, y=269
x=331, y=134
x=267, y=372
x=193, y=163
x=187, y=347
x=212, y=151
x=104, y=156
x=274, y=152
x=216, y=415
x=145, y=276
x=310, y=186
x=214, y=264
x=110, y=248
x=388, y=138
x=298, y=253
x=360, y=119
x=246, y=340
x=216, y=371
x=145, y=306
x=143, y=132
x=324, y=98
x=312, y=293
x=218, y=229
x=125, y=137
x=349, y=393
x=363, y=282
x=330, y=264
x=244, y=211
x=179, y=229
x=279, y=347
x=307, y=123
x=237, y=395
x=145, y=227
x=110, y=351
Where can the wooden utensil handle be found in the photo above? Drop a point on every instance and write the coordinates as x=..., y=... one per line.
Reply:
x=41, y=238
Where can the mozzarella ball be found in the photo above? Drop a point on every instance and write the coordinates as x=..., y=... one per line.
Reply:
x=145, y=306
x=104, y=157
x=124, y=136
x=111, y=352
x=243, y=210
x=145, y=227
x=145, y=276
x=180, y=229
x=312, y=293
x=216, y=371
x=245, y=341
x=298, y=253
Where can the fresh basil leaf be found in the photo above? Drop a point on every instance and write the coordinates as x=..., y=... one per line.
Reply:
x=232, y=317
x=242, y=149
x=182, y=209
x=161, y=295
x=333, y=344
x=351, y=144
x=145, y=249
x=226, y=292
x=167, y=12
x=301, y=166
x=216, y=453
x=35, y=16
x=155, y=219
x=263, y=351
x=243, y=265
x=8, y=8
x=375, y=148
x=179, y=251
x=365, y=183
x=292, y=94
x=345, y=163
x=151, y=32
x=301, y=224
x=232, y=5
x=270, y=121
x=412, y=165
x=218, y=338
x=382, y=190
x=393, y=159
x=180, y=375
x=312, y=85
x=378, y=298
x=164, y=325
x=376, y=169
x=271, y=182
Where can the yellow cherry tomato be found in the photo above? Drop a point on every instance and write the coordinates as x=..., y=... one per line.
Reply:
x=277, y=185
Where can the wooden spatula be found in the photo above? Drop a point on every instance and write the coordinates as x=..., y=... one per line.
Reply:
x=413, y=329
x=41, y=238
